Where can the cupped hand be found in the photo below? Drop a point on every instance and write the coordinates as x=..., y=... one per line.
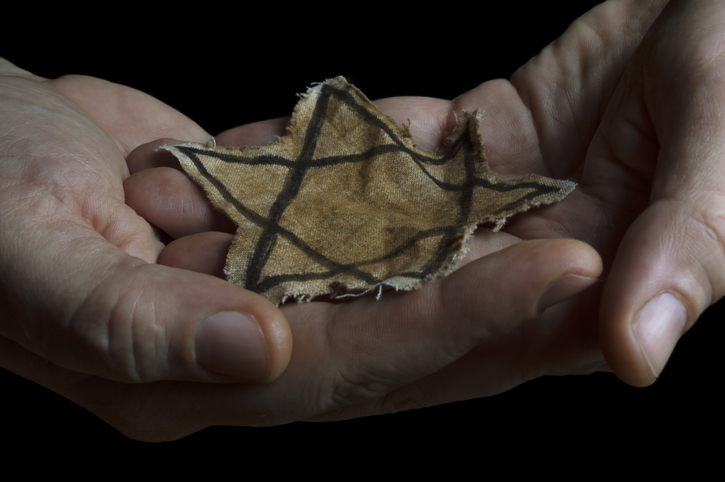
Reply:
x=628, y=102
x=81, y=294
x=662, y=137
x=645, y=134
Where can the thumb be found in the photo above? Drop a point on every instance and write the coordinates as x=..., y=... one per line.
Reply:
x=89, y=307
x=670, y=264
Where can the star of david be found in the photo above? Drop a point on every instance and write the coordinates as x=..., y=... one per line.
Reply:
x=345, y=202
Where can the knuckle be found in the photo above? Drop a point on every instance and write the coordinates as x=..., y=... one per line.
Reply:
x=119, y=327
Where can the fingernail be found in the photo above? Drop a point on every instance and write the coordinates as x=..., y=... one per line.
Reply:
x=659, y=326
x=563, y=288
x=232, y=343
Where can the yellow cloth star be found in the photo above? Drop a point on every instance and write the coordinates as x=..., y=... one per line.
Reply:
x=345, y=203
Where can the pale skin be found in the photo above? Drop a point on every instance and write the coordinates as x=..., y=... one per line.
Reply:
x=95, y=306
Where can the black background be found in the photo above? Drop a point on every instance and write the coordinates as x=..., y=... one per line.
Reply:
x=225, y=68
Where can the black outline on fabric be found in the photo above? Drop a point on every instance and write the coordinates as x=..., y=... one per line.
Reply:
x=271, y=230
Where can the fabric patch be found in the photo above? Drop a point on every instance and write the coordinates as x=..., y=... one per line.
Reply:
x=345, y=203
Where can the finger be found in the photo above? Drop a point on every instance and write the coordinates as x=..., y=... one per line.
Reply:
x=666, y=130
x=255, y=134
x=481, y=303
x=117, y=317
x=131, y=117
x=203, y=253
x=567, y=86
x=169, y=200
x=534, y=349
x=148, y=155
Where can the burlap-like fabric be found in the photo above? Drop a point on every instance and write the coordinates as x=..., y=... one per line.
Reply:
x=345, y=202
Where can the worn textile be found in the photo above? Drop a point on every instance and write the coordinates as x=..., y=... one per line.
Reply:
x=345, y=203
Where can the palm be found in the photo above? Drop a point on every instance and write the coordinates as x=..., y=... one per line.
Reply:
x=129, y=118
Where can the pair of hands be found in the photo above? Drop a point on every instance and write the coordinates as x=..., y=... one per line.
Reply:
x=95, y=306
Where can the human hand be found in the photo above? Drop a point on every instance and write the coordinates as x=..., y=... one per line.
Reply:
x=635, y=120
x=81, y=295
x=651, y=183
